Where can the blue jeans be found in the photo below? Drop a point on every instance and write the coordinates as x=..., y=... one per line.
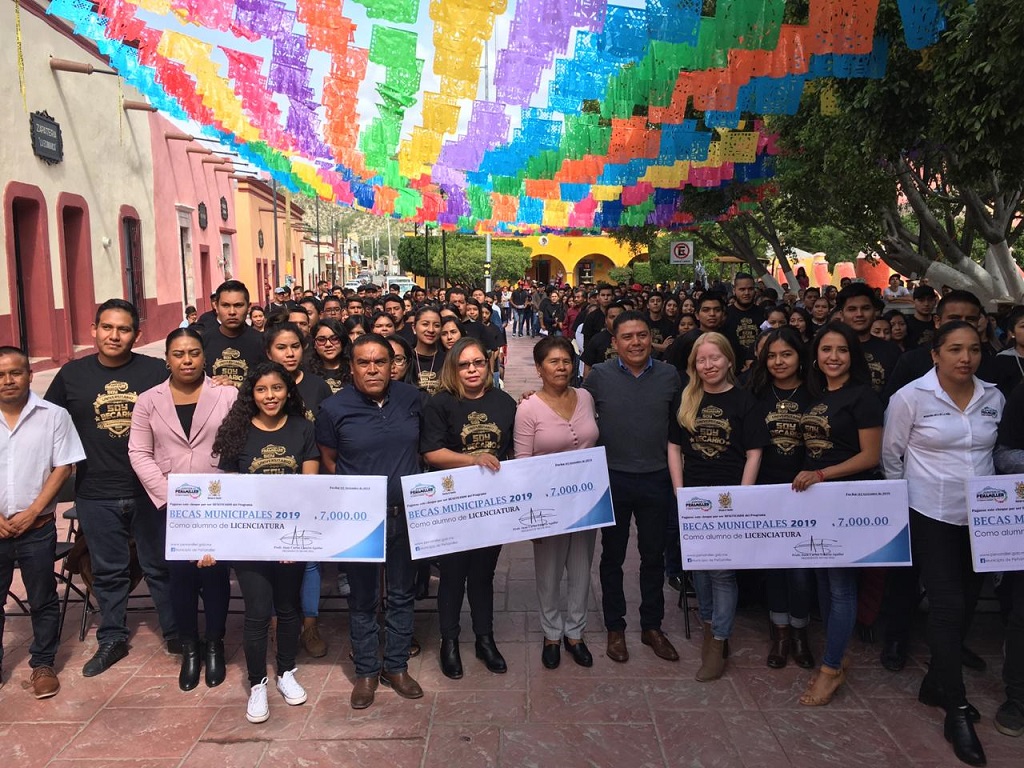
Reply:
x=837, y=596
x=518, y=320
x=311, y=591
x=108, y=524
x=364, y=580
x=34, y=551
x=717, y=595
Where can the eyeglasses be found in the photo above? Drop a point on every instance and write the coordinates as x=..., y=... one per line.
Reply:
x=466, y=365
x=399, y=360
x=323, y=341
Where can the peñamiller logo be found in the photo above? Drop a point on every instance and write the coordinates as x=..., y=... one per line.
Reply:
x=422, y=489
x=998, y=495
x=188, y=491
x=697, y=504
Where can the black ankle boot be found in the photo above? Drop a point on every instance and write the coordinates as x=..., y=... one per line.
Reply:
x=451, y=661
x=188, y=677
x=489, y=654
x=959, y=731
x=215, y=670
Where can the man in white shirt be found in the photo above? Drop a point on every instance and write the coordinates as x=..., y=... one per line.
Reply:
x=38, y=446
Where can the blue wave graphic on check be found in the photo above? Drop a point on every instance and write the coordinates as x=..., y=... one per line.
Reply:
x=896, y=551
x=601, y=512
x=369, y=547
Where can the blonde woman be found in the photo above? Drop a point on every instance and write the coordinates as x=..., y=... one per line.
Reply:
x=717, y=439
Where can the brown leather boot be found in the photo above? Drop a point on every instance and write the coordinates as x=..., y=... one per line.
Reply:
x=713, y=662
x=801, y=649
x=778, y=654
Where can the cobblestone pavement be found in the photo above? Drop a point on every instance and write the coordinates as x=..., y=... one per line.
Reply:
x=645, y=713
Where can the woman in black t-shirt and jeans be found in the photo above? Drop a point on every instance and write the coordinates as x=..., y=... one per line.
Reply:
x=719, y=435
x=468, y=423
x=267, y=433
x=777, y=381
x=842, y=431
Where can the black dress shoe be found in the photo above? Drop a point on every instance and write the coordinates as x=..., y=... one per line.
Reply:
x=175, y=645
x=931, y=696
x=215, y=668
x=894, y=655
x=580, y=653
x=106, y=656
x=188, y=676
x=489, y=654
x=959, y=731
x=676, y=582
x=451, y=661
x=551, y=656
x=971, y=660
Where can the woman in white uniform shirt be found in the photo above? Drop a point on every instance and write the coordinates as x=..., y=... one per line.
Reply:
x=940, y=430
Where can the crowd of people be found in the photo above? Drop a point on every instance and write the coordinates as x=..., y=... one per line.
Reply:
x=688, y=388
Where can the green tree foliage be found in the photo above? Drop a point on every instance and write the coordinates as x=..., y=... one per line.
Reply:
x=924, y=166
x=466, y=254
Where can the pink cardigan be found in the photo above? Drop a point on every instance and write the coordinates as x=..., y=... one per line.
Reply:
x=157, y=446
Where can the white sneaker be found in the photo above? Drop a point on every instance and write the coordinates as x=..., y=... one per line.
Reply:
x=289, y=687
x=344, y=590
x=258, y=710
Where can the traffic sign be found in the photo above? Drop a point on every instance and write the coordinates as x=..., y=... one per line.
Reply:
x=681, y=252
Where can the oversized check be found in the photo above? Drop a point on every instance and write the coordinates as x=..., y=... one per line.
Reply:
x=995, y=515
x=472, y=507
x=864, y=523
x=277, y=517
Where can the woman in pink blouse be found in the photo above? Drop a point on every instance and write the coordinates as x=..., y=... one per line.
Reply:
x=559, y=418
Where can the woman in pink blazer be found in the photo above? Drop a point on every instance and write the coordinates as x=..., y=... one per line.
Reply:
x=173, y=428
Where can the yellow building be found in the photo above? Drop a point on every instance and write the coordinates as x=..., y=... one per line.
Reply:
x=260, y=266
x=576, y=259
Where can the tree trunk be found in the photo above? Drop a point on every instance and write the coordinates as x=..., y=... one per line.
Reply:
x=1001, y=265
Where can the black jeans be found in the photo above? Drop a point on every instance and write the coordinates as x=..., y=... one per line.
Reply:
x=788, y=592
x=364, y=600
x=1013, y=664
x=648, y=497
x=269, y=588
x=34, y=552
x=108, y=524
x=902, y=596
x=188, y=582
x=943, y=553
x=469, y=572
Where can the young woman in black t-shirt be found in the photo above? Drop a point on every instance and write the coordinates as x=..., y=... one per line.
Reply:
x=329, y=360
x=777, y=381
x=468, y=423
x=842, y=431
x=716, y=439
x=266, y=433
x=428, y=354
x=284, y=346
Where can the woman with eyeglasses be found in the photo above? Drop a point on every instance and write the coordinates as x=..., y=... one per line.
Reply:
x=400, y=363
x=329, y=360
x=468, y=423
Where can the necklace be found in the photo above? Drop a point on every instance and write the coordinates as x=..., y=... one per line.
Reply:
x=419, y=368
x=785, y=404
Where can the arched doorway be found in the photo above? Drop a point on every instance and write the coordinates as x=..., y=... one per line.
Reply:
x=593, y=268
x=545, y=268
x=76, y=257
x=28, y=264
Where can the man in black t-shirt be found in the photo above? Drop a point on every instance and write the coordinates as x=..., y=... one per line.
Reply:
x=858, y=308
x=663, y=330
x=743, y=319
x=519, y=298
x=594, y=321
x=100, y=391
x=600, y=348
x=233, y=347
x=711, y=318
x=919, y=325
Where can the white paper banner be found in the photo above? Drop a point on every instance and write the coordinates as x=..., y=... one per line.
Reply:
x=277, y=517
x=471, y=507
x=863, y=523
x=995, y=514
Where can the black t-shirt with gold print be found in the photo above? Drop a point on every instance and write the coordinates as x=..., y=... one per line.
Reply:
x=744, y=325
x=830, y=426
x=100, y=401
x=728, y=425
x=483, y=425
x=881, y=356
x=232, y=357
x=783, y=411
x=426, y=370
x=280, y=452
